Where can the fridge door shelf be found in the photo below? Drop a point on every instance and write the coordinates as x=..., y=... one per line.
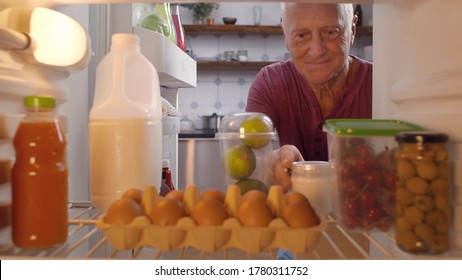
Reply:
x=86, y=241
x=178, y=71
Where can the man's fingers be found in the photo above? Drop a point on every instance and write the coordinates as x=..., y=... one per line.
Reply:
x=289, y=154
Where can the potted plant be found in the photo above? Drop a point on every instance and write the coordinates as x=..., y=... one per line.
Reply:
x=201, y=11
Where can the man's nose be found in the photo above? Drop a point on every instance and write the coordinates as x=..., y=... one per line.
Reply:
x=316, y=45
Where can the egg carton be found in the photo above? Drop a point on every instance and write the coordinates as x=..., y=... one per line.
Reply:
x=231, y=234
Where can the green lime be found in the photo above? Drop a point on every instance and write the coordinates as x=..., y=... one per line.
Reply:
x=255, y=124
x=251, y=184
x=239, y=162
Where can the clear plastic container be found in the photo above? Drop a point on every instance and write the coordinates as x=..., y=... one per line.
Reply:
x=246, y=145
x=39, y=177
x=422, y=195
x=125, y=123
x=362, y=151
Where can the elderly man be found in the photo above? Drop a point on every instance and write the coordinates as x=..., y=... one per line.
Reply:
x=320, y=82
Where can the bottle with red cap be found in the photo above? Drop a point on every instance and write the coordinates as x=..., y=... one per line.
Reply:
x=167, y=184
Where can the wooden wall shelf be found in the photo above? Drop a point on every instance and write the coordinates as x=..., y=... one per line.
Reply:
x=264, y=29
x=214, y=65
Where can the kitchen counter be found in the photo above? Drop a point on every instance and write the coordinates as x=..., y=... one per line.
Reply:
x=199, y=133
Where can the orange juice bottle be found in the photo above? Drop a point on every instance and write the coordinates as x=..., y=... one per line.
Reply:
x=39, y=177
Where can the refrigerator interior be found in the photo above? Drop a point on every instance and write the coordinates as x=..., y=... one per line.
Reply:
x=417, y=77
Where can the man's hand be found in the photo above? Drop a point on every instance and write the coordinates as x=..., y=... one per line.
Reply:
x=282, y=160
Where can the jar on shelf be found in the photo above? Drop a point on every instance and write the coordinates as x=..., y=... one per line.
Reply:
x=229, y=56
x=242, y=55
x=422, y=192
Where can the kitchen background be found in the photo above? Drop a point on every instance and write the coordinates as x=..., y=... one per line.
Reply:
x=225, y=91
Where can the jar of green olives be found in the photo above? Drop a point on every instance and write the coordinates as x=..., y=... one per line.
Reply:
x=422, y=192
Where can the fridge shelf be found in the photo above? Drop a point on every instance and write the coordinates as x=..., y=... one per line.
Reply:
x=85, y=241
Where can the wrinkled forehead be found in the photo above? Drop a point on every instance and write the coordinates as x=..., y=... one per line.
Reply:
x=342, y=13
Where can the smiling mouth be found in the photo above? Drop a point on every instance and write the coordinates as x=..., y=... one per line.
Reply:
x=315, y=63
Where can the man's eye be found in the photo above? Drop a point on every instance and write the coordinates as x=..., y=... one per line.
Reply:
x=300, y=37
x=330, y=34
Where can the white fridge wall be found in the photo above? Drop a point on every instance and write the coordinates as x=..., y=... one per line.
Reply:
x=76, y=109
x=418, y=48
x=420, y=73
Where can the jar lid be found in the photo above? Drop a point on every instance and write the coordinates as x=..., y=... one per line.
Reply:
x=165, y=163
x=39, y=102
x=314, y=167
x=421, y=137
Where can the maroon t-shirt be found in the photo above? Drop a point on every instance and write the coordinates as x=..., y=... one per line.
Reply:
x=280, y=92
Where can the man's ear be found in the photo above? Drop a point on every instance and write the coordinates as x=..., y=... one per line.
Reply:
x=353, y=28
x=353, y=25
x=284, y=35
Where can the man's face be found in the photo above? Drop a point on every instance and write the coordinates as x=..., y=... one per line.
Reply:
x=319, y=39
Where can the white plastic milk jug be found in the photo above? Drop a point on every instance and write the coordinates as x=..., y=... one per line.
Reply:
x=125, y=123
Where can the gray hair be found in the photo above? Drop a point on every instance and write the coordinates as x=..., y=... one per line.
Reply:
x=347, y=12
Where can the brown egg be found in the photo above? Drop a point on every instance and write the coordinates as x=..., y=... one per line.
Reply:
x=177, y=194
x=299, y=215
x=123, y=211
x=214, y=194
x=135, y=194
x=209, y=212
x=167, y=212
x=254, y=195
x=254, y=213
x=295, y=197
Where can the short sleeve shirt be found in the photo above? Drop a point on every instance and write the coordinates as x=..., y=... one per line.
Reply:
x=283, y=94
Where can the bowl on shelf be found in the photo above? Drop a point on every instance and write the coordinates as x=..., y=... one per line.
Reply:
x=229, y=20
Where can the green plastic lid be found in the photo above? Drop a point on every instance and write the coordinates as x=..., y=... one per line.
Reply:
x=39, y=102
x=368, y=127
